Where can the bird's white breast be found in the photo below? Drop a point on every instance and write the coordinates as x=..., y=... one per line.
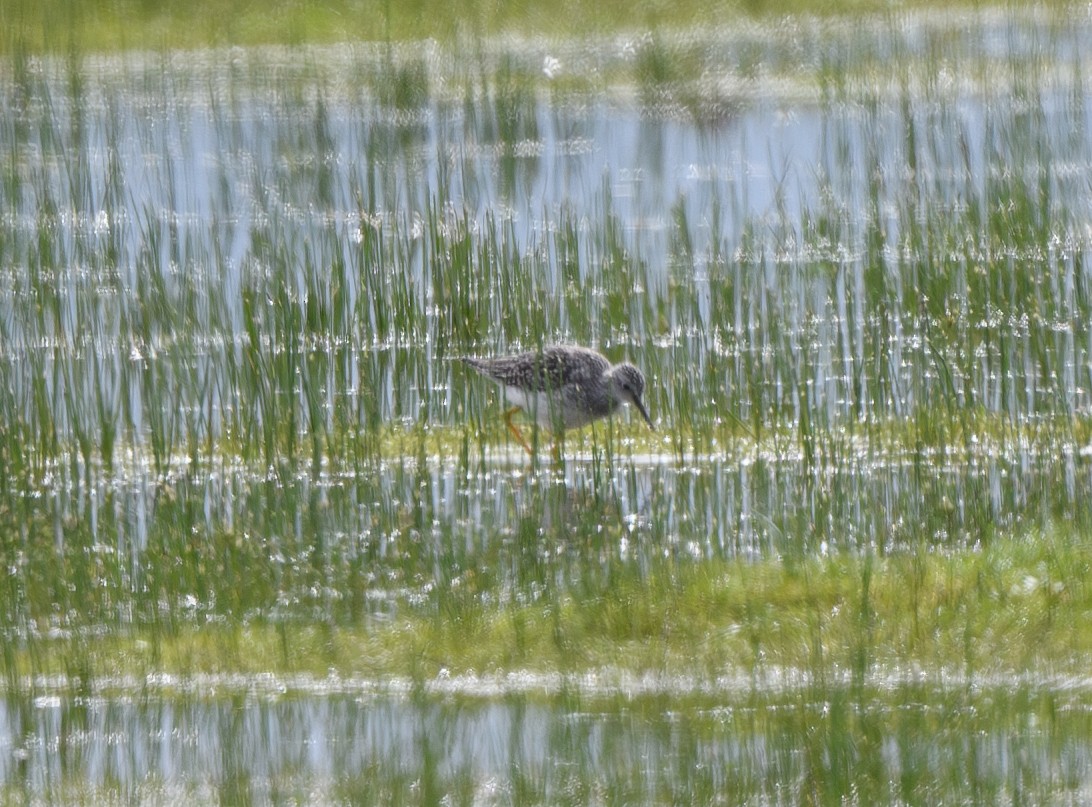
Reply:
x=538, y=405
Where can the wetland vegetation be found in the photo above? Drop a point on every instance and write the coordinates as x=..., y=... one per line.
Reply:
x=266, y=541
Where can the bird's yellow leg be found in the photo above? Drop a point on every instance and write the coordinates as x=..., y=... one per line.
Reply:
x=512, y=427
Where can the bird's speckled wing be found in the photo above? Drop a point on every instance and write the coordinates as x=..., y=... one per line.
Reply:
x=547, y=371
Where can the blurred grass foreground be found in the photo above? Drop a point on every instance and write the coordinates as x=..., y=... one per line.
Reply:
x=112, y=25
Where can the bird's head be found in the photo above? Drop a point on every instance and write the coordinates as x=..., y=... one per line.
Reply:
x=628, y=385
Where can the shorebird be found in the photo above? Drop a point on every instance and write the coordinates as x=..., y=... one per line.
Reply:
x=563, y=387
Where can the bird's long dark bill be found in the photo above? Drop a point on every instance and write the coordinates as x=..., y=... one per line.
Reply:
x=644, y=413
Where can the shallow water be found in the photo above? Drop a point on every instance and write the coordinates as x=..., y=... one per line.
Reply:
x=498, y=742
x=339, y=546
x=850, y=259
x=225, y=245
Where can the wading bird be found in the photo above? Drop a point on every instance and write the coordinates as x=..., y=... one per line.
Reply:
x=563, y=387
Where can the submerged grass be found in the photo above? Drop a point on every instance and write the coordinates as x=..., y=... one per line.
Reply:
x=1018, y=606
x=234, y=436
x=235, y=439
x=309, y=289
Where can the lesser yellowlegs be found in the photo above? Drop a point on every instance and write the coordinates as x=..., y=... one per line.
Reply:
x=563, y=387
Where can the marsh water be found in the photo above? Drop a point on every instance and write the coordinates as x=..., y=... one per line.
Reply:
x=850, y=257
x=507, y=741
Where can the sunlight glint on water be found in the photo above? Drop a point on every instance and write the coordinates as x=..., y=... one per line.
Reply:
x=231, y=290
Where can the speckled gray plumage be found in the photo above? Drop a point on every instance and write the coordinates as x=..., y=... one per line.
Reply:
x=565, y=386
